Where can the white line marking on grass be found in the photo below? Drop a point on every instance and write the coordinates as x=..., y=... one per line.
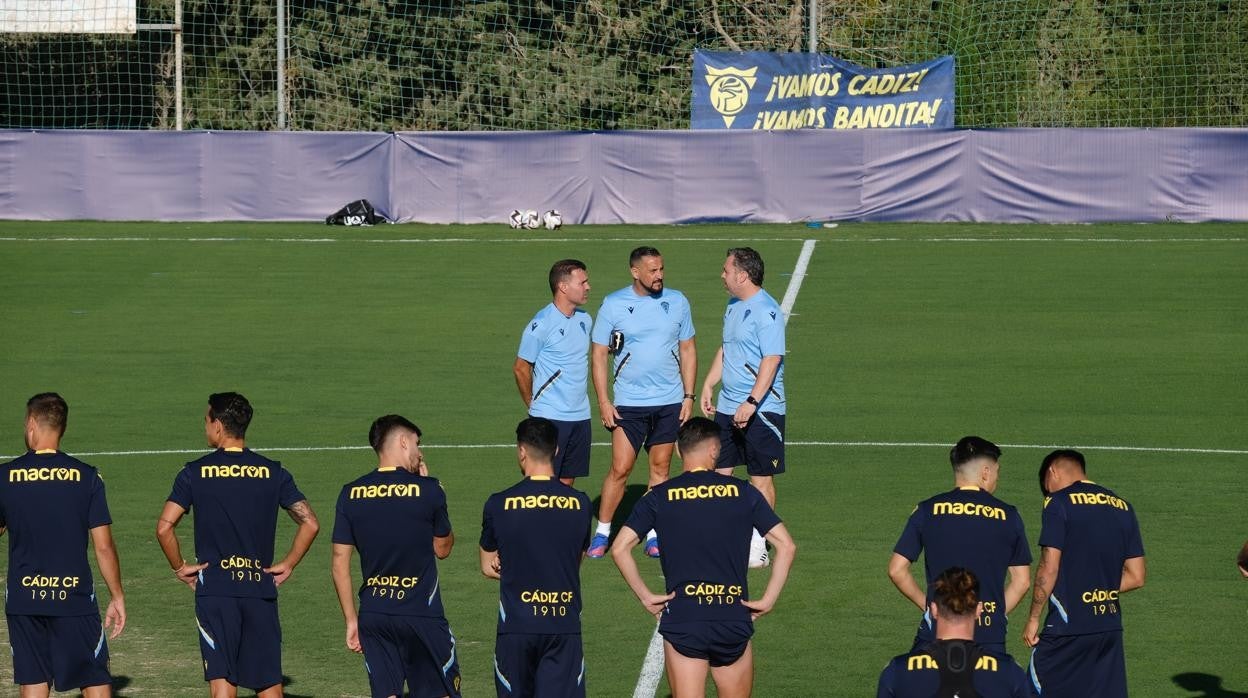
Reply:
x=795, y=282
x=379, y=240
x=933, y=444
x=601, y=239
x=652, y=668
x=605, y=444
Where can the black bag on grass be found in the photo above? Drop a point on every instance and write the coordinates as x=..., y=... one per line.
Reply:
x=355, y=213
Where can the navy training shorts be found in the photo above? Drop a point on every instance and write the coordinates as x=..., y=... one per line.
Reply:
x=759, y=446
x=534, y=665
x=417, y=650
x=68, y=652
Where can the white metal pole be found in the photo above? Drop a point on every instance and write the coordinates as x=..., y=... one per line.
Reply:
x=814, y=26
x=177, y=63
x=281, y=65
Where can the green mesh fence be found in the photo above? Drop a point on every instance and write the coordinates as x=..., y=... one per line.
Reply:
x=614, y=64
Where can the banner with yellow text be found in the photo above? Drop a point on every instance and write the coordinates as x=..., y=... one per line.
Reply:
x=772, y=91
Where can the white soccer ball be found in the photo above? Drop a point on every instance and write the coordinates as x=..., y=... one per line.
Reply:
x=531, y=220
x=516, y=219
x=553, y=220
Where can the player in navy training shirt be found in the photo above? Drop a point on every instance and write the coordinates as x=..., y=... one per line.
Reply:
x=49, y=503
x=967, y=527
x=752, y=404
x=704, y=519
x=1091, y=553
x=235, y=494
x=954, y=665
x=533, y=537
x=649, y=329
x=553, y=353
x=396, y=517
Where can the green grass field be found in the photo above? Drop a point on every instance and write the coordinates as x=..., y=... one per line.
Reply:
x=903, y=338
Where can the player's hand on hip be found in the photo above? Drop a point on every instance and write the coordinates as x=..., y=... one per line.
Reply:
x=708, y=403
x=610, y=415
x=115, y=617
x=353, y=637
x=1031, y=632
x=281, y=572
x=758, y=608
x=655, y=603
x=745, y=412
x=189, y=574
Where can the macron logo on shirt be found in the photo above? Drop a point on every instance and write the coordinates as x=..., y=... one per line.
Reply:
x=968, y=509
x=375, y=491
x=257, y=471
x=702, y=492
x=44, y=475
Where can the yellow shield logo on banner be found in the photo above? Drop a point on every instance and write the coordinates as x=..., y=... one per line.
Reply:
x=730, y=90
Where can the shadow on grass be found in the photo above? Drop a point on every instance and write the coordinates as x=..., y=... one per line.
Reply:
x=631, y=494
x=286, y=683
x=1208, y=685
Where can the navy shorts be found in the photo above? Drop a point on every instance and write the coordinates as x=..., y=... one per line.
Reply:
x=69, y=652
x=759, y=446
x=240, y=640
x=536, y=666
x=720, y=643
x=572, y=459
x=416, y=650
x=649, y=426
x=1077, y=666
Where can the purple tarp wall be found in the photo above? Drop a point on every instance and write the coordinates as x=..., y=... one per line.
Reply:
x=1050, y=175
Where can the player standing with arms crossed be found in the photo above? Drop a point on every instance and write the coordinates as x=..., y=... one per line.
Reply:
x=967, y=527
x=532, y=540
x=750, y=362
x=1091, y=552
x=552, y=357
x=649, y=329
x=704, y=517
x=396, y=517
x=50, y=503
x=236, y=493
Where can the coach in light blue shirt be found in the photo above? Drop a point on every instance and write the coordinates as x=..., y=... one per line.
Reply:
x=649, y=330
x=751, y=404
x=551, y=366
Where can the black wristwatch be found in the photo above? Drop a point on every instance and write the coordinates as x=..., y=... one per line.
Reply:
x=750, y=399
x=690, y=396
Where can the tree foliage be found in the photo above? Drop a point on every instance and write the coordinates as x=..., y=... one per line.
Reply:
x=621, y=64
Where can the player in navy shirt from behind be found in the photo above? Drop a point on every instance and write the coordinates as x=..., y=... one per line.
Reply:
x=1091, y=553
x=967, y=527
x=704, y=519
x=533, y=537
x=953, y=665
x=235, y=494
x=396, y=517
x=50, y=503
